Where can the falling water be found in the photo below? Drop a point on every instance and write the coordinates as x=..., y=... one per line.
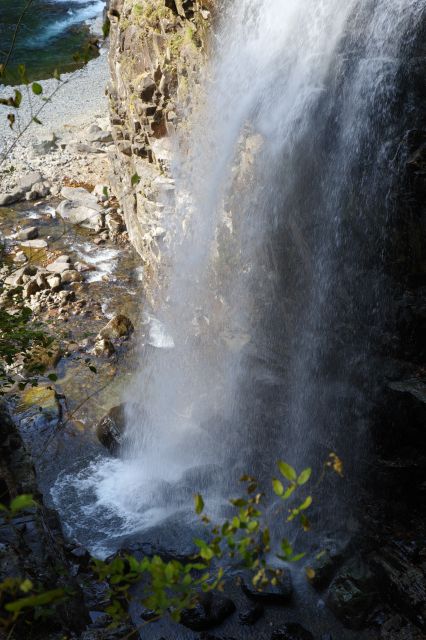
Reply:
x=264, y=344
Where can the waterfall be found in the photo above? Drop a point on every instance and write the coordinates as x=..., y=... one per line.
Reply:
x=263, y=346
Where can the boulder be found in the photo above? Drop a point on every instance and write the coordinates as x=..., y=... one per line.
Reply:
x=28, y=233
x=252, y=614
x=70, y=275
x=281, y=593
x=210, y=610
x=38, y=190
x=292, y=631
x=118, y=327
x=110, y=429
x=16, y=195
x=352, y=595
x=103, y=347
x=81, y=196
x=58, y=266
x=79, y=214
x=26, y=183
x=323, y=568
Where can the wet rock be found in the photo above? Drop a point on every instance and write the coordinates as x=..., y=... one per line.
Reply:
x=110, y=429
x=292, y=631
x=352, y=595
x=252, y=614
x=404, y=580
x=118, y=327
x=103, y=347
x=83, y=267
x=70, y=275
x=323, y=568
x=34, y=244
x=399, y=628
x=210, y=610
x=29, y=233
x=45, y=398
x=280, y=593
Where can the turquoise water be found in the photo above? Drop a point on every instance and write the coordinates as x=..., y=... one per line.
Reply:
x=51, y=33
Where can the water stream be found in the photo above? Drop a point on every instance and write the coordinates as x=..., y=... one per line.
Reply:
x=264, y=345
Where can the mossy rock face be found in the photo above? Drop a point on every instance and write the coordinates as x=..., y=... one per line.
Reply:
x=45, y=398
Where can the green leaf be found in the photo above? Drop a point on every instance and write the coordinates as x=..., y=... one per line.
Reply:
x=199, y=504
x=53, y=377
x=238, y=502
x=135, y=179
x=37, y=121
x=18, y=98
x=278, y=487
x=24, y=501
x=93, y=369
x=305, y=504
x=11, y=119
x=304, y=476
x=287, y=471
x=37, y=88
x=35, y=601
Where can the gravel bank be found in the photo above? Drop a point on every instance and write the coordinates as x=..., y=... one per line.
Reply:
x=80, y=99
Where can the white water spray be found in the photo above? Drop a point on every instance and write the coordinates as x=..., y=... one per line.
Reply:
x=286, y=159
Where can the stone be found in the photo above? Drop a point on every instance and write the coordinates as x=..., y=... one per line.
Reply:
x=63, y=258
x=82, y=267
x=58, y=266
x=16, y=195
x=38, y=190
x=252, y=614
x=110, y=428
x=30, y=179
x=323, y=567
x=403, y=578
x=292, y=631
x=100, y=136
x=54, y=282
x=28, y=233
x=44, y=144
x=30, y=289
x=118, y=327
x=16, y=278
x=103, y=347
x=210, y=610
x=34, y=244
x=70, y=275
x=351, y=595
x=81, y=196
x=114, y=222
x=398, y=628
x=42, y=282
x=44, y=397
x=78, y=214
x=280, y=593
